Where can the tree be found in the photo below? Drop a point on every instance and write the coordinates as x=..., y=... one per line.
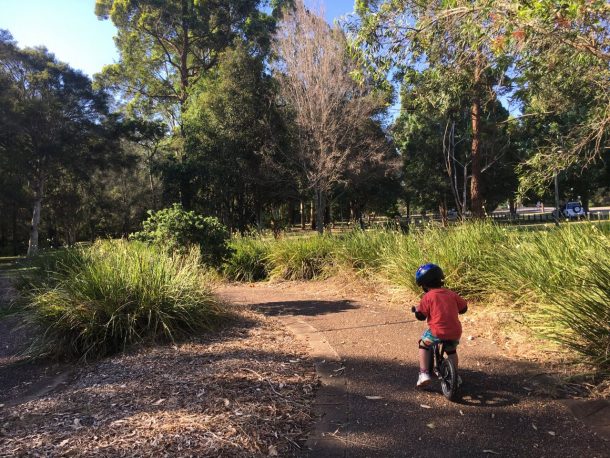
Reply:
x=564, y=91
x=149, y=137
x=433, y=134
x=325, y=105
x=232, y=127
x=555, y=48
x=57, y=120
x=167, y=47
x=448, y=41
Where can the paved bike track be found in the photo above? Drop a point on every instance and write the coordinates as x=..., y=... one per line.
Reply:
x=366, y=353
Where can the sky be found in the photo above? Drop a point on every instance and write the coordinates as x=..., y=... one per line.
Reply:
x=70, y=29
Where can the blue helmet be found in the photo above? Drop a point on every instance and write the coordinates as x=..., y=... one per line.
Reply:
x=429, y=275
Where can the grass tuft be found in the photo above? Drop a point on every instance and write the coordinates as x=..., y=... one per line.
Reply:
x=97, y=301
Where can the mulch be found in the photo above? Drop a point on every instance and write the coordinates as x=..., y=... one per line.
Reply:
x=244, y=391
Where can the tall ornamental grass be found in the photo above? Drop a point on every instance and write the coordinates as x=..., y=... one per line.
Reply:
x=578, y=315
x=538, y=265
x=249, y=261
x=303, y=258
x=462, y=252
x=363, y=251
x=102, y=299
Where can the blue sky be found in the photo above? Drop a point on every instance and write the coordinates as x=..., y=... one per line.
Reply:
x=70, y=30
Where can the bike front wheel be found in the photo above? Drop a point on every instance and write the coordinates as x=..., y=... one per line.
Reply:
x=449, y=379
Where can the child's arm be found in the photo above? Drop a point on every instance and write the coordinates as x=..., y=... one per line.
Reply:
x=419, y=315
x=462, y=305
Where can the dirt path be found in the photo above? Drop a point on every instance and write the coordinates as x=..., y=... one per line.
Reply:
x=22, y=379
x=372, y=408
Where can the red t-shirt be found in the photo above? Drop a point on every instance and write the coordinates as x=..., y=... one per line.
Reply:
x=441, y=307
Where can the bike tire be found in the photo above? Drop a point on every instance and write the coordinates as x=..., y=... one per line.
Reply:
x=449, y=379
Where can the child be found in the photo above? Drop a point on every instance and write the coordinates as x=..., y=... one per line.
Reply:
x=441, y=307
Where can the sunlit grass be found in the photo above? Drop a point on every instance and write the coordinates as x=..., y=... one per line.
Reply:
x=97, y=301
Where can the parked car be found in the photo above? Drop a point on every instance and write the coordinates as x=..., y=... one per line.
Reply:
x=572, y=210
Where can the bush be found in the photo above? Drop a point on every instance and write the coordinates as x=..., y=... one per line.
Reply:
x=579, y=317
x=177, y=230
x=364, y=251
x=249, y=261
x=301, y=258
x=102, y=299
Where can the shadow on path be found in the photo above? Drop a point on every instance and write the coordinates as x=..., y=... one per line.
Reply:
x=303, y=308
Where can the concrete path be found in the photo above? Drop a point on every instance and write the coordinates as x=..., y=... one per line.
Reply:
x=365, y=351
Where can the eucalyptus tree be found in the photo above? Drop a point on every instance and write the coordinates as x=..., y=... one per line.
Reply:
x=57, y=121
x=326, y=105
x=447, y=42
x=166, y=48
x=562, y=59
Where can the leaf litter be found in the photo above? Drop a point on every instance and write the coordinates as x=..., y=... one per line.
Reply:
x=230, y=394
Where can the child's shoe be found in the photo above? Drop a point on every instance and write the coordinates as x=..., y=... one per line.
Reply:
x=423, y=380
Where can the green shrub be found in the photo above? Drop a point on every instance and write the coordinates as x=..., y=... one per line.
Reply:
x=301, y=258
x=578, y=315
x=177, y=230
x=249, y=260
x=536, y=265
x=364, y=251
x=100, y=300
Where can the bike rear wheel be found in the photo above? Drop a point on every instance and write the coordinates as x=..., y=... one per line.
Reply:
x=449, y=379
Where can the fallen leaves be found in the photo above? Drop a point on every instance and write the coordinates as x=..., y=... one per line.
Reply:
x=196, y=399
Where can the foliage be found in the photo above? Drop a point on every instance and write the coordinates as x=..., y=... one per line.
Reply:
x=249, y=260
x=303, y=258
x=232, y=126
x=100, y=300
x=167, y=48
x=177, y=230
x=578, y=316
x=444, y=56
x=54, y=124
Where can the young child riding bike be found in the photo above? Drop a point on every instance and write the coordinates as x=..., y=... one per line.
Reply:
x=441, y=307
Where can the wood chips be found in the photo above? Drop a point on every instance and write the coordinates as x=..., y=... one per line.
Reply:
x=245, y=391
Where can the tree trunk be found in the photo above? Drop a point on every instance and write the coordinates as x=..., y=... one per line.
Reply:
x=475, y=114
x=302, y=208
x=465, y=195
x=443, y=211
x=512, y=208
x=312, y=216
x=320, y=210
x=33, y=244
x=14, y=231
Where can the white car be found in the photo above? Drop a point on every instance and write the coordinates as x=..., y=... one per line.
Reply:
x=573, y=210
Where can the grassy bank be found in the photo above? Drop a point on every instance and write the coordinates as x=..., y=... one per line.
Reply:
x=559, y=277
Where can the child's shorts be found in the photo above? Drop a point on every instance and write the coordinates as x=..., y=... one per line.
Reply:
x=428, y=339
